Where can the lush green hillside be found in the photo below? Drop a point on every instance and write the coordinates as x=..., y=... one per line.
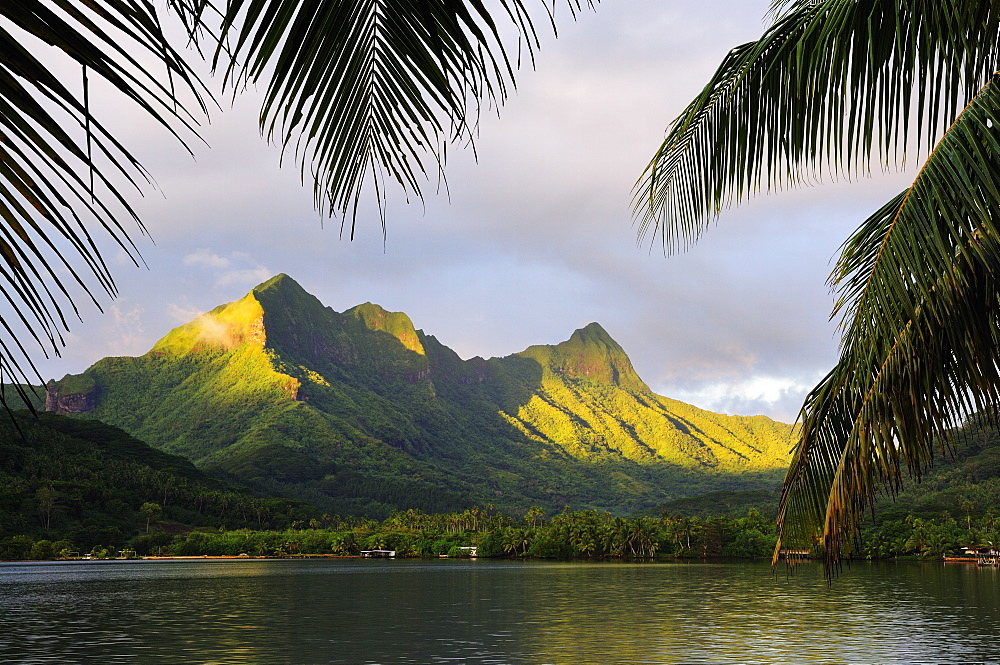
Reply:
x=86, y=483
x=964, y=481
x=16, y=396
x=956, y=504
x=359, y=412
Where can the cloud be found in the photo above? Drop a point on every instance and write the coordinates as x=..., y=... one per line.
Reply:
x=778, y=397
x=238, y=269
x=212, y=331
x=249, y=277
x=182, y=314
x=203, y=257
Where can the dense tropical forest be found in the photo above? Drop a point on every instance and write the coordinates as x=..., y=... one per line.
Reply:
x=73, y=487
x=79, y=486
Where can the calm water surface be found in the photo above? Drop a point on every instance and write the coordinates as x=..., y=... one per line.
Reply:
x=358, y=611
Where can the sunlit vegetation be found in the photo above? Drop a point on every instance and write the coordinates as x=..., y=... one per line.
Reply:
x=361, y=414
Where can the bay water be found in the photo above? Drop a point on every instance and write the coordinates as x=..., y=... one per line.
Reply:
x=453, y=611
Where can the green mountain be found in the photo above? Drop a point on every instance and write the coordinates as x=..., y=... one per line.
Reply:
x=360, y=412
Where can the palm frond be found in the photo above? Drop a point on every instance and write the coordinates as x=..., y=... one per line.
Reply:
x=832, y=87
x=372, y=90
x=921, y=307
x=54, y=149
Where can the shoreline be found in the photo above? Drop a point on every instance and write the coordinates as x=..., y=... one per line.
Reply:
x=296, y=557
x=191, y=557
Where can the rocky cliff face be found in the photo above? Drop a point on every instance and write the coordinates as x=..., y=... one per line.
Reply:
x=64, y=401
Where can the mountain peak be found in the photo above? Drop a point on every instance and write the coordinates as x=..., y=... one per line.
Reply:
x=592, y=334
x=397, y=324
x=590, y=353
x=281, y=292
x=280, y=283
x=240, y=322
x=226, y=327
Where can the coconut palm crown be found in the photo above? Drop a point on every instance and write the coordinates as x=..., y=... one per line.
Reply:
x=837, y=87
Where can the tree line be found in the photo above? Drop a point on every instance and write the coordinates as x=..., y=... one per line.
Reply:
x=413, y=533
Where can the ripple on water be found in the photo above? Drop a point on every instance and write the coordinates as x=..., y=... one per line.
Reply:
x=492, y=612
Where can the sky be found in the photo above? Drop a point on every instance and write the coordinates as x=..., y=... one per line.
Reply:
x=534, y=237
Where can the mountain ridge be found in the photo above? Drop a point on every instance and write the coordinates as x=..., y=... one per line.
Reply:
x=278, y=390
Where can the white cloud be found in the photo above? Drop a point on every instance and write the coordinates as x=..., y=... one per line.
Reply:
x=182, y=314
x=248, y=277
x=779, y=397
x=203, y=257
x=237, y=269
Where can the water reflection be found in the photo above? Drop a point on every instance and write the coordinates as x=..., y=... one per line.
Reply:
x=738, y=613
x=493, y=612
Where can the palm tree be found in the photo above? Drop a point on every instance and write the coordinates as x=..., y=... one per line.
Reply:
x=358, y=91
x=835, y=87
